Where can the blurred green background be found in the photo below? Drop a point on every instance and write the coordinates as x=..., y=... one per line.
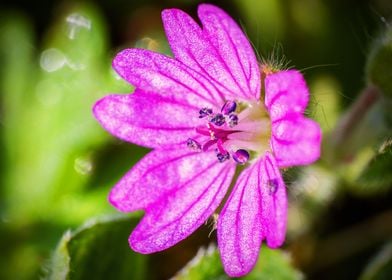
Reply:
x=57, y=164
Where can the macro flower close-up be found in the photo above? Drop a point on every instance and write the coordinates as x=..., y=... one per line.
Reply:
x=221, y=126
x=192, y=140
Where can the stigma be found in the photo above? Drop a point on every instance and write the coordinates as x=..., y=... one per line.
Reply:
x=237, y=132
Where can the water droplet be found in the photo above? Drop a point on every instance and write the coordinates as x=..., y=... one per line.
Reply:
x=83, y=165
x=52, y=60
x=76, y=66
x=76, y=22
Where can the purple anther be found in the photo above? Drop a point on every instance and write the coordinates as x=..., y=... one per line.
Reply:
x=228, y=107
x=222, y=157
x=218, y=119
x=241, y=156
x=193, y=144
x=233, y=120
x=272, y=185
x=205, y=112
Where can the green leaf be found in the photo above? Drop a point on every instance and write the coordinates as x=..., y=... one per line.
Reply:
x=205, y=265
x=98, y=250
x=50, y=135
x=377, y=175
x=272, y=264
x=380, y=267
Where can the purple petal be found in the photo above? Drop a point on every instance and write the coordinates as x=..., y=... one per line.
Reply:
x=233, y=47
x=195, y=48
x=274, y=202
x=240, y=226
x=153, y=72
x=179, y=195
x=147, y=119
x=285, y=93
x=295, y=140
x=156, y=175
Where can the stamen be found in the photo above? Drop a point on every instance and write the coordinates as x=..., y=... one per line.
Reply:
x=193, y=144
x=211, y=131
x=208, y=144
x=205, y=112
x=228, y=107
x=218, y=119
x=241, y=156
x=233, y=120
x=220, y=147
x=234, y=132
x=203, y=130
x=222, y=157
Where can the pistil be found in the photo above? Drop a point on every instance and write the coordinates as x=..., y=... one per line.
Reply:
x=232, y=134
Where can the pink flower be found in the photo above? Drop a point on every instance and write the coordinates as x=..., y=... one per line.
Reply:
x=204, y=113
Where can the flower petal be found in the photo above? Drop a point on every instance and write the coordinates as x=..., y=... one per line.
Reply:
x=147, y=119
x=193, y=46
x=239, y=225
x=285, y=93
x=295, y=140
x=274, y=202
x=186, y=192
x=233, y=47
x=156, y=175
x=153, y=72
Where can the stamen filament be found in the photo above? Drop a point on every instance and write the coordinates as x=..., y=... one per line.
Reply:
x=251, y=133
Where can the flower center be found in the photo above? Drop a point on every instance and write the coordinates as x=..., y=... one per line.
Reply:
x=240, y=131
